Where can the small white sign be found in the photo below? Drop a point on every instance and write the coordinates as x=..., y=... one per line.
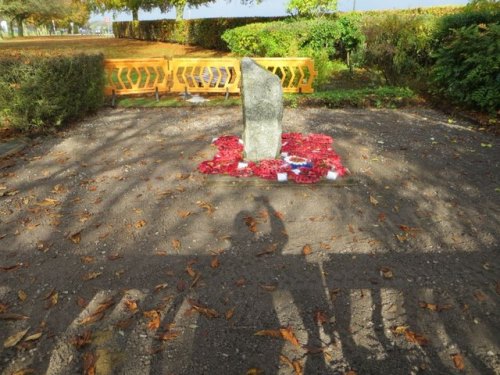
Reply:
x=242, y=165
x=332, y=175
x=282, y=177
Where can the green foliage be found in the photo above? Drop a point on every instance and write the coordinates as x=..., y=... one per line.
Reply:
x=321, y=39
x=399, y=46
x=311, y=8
x=467, y=68
x=205, y=33
x=386, y=96
x=37, y=92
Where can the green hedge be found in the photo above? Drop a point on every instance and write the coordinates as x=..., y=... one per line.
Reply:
x=205, y=32
x=38, y=92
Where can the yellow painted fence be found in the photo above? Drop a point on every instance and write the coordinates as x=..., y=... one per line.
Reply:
x=204, y=75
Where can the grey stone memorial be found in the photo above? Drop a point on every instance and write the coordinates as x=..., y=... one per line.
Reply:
x=262, y=98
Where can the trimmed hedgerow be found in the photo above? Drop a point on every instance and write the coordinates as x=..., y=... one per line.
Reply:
x=204, y=32
x=38, y=92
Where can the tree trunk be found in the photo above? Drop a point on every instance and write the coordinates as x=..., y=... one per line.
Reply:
x=20, y=29
x=135, y=14
x=179, y=12
x=11, y=28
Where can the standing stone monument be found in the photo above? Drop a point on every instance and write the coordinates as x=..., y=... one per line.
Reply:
x=262, y=98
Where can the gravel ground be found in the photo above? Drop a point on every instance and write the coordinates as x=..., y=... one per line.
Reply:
x=117, y=255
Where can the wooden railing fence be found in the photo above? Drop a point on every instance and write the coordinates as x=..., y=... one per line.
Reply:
x=202, y=75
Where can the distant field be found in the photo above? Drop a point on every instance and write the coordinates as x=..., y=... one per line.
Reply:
x=110, y=47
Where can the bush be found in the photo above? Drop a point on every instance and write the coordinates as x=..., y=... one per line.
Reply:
x=467, y=68
x=205, y=32
x=37, y=92
x=399, y=46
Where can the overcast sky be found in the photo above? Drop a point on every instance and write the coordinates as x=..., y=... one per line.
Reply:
x=225, y=8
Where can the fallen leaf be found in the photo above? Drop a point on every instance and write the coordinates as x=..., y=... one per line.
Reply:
x=131, y=305
x=251, y=223
x=214, y=263
x=12, y=267
x=80, y=301
x=91, y=276
x=161, y=286
x=282, y=333
x=168, y=335
x=176, y=244
x=3, y=308
x=306, y=250
x=52, y=299
x=268, y=287
x=190, y=271
x=334, y=293
x=279, y=215
x=24, y=371
x=21, y=294
x=76, y=237
x=411, y=336
x=241, y=282
x=295, y=364
x=181, y=285
x=98, y=314
x=183, y=213
x=458, y=361
x=125, y=323
x=373, y=200
x=386, y=273
x=140, y=224
x=114, y=256
x=229, y=314
x=59, y=189
x=480, y=296
x=89, y=363
x=33, y=337
x=268, y=250
x=255, y=371
x=381, y=217
x=434, y=307
x=325, y=246
x=351, y=372
x=48, y=202
x=320, y=317
x=399, y=330
x=87, y=259
x=43, y=246
x=80, y=341
x=182, y=176
x=203, y=310
x=154, y=319
x=15, y=338
x=13, y=316
x=207, y=206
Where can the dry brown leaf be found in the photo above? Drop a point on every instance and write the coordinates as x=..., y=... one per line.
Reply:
x=182, y=176
x=13, y=316
x=214, y=263
x=381, y=217
x=131, y=305
x=80, y=341
x=334, y=293
x=264, y=215
x=434, y=307
x=76, y=237
x=3, y=308
x=140, y=224
x=241, y=282
x=190, y=271
x=176, y=244
x=15, y=338
x=268, y=287
x=114, y=256
x=21, y=294
x=181, y=285
x=59, y=189
x=154, y=319
x=307, y=249
x=207, y=206
x=183, y=213
x=480, y=296
x=168, y=335
x=279, y=215
x=125, y=323
x=82, y=302
x=43, y=246
x=91, y=276
x=458, y=361
x=89, y=362
x=160, y=287
x=320, y=317
x=282, y=333
x=95, y=317
x=373, y=200
x=48, y=202
x=351, y=372
x=203, y=310
x=87, y=259
x=229, y=314
x=324, y=246
x=295, y=364
x=24, y=371
x=52, y=299
x=33, y=337
x=410, y=336
x=255, y=371
x=268, y=250
x=251, y=223
x=386, y=273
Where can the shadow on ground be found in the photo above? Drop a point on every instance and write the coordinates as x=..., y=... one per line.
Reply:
x=114, y=211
